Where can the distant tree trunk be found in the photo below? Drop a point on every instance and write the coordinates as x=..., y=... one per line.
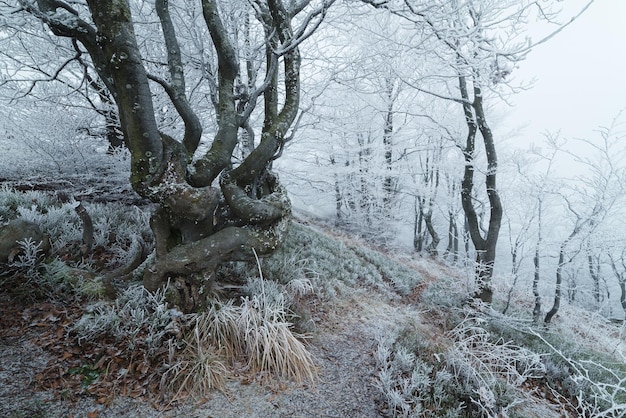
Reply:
x=578, y=227
x=388, y=182
x=338, y=195
x=536, y=262
x=572, y=287
x=485, y=246
x=433, y=185
x=594, y=272
x=620, y=274
x=455, y=245
x=536, y=276
x=366, y=199
x=466, y=240
x=622, y=298
x=515, y=267
x=559, y=281
x=453, y=230
x=418, y=236
x=453, y=238
x=428, y=220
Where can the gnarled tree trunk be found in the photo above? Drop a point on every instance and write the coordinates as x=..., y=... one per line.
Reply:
x=198, y=225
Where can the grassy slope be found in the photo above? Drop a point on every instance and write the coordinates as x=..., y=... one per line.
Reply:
x=391, y=335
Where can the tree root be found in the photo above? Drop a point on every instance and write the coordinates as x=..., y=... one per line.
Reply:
x=243, y=229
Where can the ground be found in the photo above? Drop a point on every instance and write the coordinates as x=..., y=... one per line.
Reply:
x=342, y=344
x=365, y=297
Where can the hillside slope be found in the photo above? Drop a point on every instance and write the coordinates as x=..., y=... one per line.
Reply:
x=390, y=335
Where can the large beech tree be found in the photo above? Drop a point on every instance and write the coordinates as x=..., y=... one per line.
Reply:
x=210, y=210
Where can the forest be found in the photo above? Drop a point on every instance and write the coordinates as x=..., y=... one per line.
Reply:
x=204, y=195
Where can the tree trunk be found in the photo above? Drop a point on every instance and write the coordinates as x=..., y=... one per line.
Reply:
x=578, y=227
x=537, y=271
x=418, y=236
x=559, y=283
x=388, y=182
x=594, y=272
x=485, y=246
x=536, y=276
x=452, y=248
x=197, y=225
x=428, y=221
x=621, y=278
x=622, y=298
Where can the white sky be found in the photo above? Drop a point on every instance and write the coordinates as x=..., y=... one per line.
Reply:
x=580, y=76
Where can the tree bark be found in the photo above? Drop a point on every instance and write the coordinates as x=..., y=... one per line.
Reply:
x=485, y=246
x=594, y=272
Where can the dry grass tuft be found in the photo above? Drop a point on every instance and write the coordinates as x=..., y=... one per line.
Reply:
x=256, y=331
x=195, y=370
x=269, y=343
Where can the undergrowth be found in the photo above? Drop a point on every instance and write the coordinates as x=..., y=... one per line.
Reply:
x=485, y=364
x=67, y=268
x=481, y=364
x=339, y=267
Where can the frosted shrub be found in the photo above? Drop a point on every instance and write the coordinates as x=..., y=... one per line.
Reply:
x=121, y=235
x=491, y=357
x=60, y=223
x=411, y=387
x=33, y=277
x=138, y=317
x=30, y=256
x=11, y=200
x=448, y=292
x=597, y=388
x=475, y=373
x=490, y=368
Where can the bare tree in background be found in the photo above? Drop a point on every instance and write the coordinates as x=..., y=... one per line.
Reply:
x=477, y=44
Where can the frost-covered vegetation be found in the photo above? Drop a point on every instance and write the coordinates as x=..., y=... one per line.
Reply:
x=441, y=357
x=478, y=362
x=67, y=267
x=255, y=327
x=317, y=255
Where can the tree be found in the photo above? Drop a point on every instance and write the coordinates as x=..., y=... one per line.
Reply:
x=618, y=266
x=475, y=44
x=537, y=182
x=198, y=225
x=590, y=200
x=40, y=67
x=357, y=119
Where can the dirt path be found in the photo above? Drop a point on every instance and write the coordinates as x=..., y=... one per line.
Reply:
x=343, y=346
